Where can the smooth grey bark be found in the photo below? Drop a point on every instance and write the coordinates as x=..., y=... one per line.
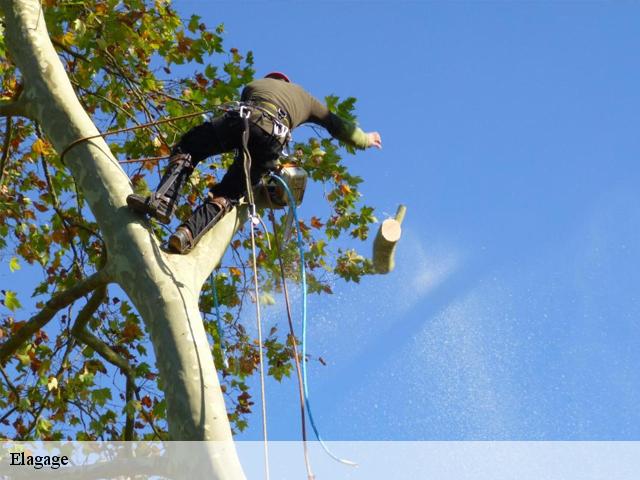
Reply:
x=164, y=288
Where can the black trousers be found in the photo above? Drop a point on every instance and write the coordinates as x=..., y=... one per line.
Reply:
x=224, y=134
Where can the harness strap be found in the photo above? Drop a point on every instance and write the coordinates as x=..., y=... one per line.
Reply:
x=273, y=108
x=274, y=114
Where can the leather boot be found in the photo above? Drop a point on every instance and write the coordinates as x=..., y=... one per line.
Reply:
x=181, y=241
x=200, y=222
x=162, y=203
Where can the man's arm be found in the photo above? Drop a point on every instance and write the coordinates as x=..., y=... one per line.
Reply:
x=340, y=128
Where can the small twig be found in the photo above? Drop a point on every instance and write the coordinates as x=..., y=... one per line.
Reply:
x=13, y=388
x=130, y=421
x=8, y=414
x=36, y=415
x=56, y=205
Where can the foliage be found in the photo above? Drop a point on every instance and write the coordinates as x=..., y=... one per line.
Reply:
x=133, y=62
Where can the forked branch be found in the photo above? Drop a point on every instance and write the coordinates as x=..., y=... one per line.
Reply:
x=80, y=332
x=57, y=302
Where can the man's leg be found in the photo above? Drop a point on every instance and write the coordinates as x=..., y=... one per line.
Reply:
x=222, y=197
x=205, y=140
x=200, y=222
x=162, y=203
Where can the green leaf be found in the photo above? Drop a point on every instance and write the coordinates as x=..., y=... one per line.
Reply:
x=24, y=405
x=101, y=395
x=132, y=406
x=43, y=426
x=14, y=264
x=11, y=300
x=193, y=23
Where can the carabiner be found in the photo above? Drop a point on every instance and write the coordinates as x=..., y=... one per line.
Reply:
x=245, y=112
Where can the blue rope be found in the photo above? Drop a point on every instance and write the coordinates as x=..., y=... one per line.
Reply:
x=292, y=205
x=218, y=320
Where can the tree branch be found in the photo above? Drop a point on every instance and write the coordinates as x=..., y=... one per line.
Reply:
x=16, y=107
x=80, y=332
x=53, y=306
x=12, y=108
x=5, y=148
x=130, y=421
x=201, y=261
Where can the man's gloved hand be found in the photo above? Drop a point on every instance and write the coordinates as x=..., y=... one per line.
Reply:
x=374, y=140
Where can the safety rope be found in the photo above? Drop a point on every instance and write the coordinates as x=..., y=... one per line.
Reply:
x=129, y=129
x=294, y=342
x=303, y=275
x=254, y=222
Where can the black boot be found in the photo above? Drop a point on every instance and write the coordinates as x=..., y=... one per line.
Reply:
x=200, y=222
x=162, y=203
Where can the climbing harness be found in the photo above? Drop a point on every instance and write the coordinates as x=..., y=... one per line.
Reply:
x=277, y=116
x=292, y=205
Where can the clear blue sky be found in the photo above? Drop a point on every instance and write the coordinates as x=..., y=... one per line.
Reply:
x=510, y=131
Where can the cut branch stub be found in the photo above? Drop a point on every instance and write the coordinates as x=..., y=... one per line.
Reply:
x=384, y=245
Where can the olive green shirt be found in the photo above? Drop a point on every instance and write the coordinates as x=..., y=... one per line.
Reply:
x=302, y=107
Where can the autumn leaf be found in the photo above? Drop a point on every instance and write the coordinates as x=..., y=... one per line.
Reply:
x=345, y=189
x=40, y=147
x=164, y=150
x=11, y=300
x=131, y=331
x=100, y=8
x=149, y=165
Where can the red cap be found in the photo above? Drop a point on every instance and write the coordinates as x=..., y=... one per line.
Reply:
x=278, y=76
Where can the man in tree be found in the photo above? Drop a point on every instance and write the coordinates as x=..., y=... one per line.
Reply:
x=269, y=110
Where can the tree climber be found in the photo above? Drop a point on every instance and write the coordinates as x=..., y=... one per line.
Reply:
x=273, y=107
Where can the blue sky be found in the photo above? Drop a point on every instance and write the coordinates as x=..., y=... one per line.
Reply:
x=509, y=131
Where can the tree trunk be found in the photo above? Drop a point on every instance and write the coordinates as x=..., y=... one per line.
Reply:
x=164, y=288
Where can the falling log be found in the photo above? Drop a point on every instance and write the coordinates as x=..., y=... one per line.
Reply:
x=384, y=245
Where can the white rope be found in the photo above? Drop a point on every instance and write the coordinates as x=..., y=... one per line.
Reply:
x=260, y=351
x=254, y=221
